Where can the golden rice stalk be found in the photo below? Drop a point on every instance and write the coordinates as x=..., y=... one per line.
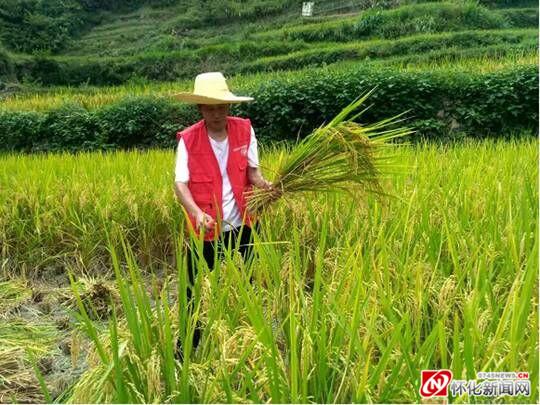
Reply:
x=341, y=155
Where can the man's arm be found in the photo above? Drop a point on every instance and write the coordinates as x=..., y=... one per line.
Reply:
x=256, y=178
x=186, y=199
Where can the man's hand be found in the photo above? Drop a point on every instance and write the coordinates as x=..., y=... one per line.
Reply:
x=265, y=184
x=256, y=178
x=203, y=219
x=185, y=197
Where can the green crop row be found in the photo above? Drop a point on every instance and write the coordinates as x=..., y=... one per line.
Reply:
x=415, y=47
x=440, y=104
x=409, y=20
x=249, y=56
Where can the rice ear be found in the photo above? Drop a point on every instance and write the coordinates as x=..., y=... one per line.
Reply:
x=350, y=108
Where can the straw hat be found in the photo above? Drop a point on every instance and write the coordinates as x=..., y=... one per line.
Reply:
x=211, y=88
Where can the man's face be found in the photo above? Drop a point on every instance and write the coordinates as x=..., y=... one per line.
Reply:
x=215, y=115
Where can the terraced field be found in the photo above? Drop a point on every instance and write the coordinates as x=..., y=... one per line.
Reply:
x=162, y=45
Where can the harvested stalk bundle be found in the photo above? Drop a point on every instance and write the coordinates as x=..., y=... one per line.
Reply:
x=337, y=156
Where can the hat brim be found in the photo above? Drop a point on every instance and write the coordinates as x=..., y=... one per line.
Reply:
x=200, y=99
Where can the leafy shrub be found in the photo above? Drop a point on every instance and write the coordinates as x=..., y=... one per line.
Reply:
x=487, y=104
x=442, y=105
x=33, y=25
x=19, y=131
x=71, y=128
x=521, y=17
x=6, y=64
x=509, y=3
x=142, y=122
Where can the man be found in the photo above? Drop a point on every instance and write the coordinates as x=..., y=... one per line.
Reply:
x=216, y=163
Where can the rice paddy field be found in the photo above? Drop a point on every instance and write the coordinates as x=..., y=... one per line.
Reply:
x=352, y=296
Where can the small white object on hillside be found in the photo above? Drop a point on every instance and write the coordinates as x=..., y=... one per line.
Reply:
x=307, y=8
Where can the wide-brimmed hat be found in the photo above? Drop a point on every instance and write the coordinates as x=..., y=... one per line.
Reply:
x=211, y=88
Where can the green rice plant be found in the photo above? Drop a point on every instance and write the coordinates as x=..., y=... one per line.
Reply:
x=36, y=338
x=352, y=296
x=136, y=363
x=338, y=156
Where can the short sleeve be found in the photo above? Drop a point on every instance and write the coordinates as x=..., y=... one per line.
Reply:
x=253, y=156
x=181, y=170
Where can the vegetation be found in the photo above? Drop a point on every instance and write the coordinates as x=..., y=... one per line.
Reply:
x=340, y=155
x=148, y=44
x=415, y=48
x=442, y=276
x=445, y=104
x=399, y=22
x=352, y=295
x=92, y=97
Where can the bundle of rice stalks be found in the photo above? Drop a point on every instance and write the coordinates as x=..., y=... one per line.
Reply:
x=20, y=341
x=342, y=155
x=35, y=337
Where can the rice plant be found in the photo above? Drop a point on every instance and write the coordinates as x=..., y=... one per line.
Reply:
x=352, y=296
x=349, y=303
x=336, y=157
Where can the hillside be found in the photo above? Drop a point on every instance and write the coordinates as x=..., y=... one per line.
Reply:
x=461, y=69
x=174, y=40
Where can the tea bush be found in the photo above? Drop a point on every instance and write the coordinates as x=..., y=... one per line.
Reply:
x=441, y=105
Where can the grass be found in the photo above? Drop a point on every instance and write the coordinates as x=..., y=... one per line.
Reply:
x=465, y=45
x=403, y=21
x=173, y=27
x=352, y=298
x=179, y=43
x=484, y=60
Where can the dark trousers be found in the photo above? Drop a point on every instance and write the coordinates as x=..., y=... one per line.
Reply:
x=237, y=238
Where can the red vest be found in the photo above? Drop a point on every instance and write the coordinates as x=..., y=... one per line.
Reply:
x=205, y=182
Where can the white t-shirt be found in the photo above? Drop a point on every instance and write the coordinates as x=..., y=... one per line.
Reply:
x=231, y=212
